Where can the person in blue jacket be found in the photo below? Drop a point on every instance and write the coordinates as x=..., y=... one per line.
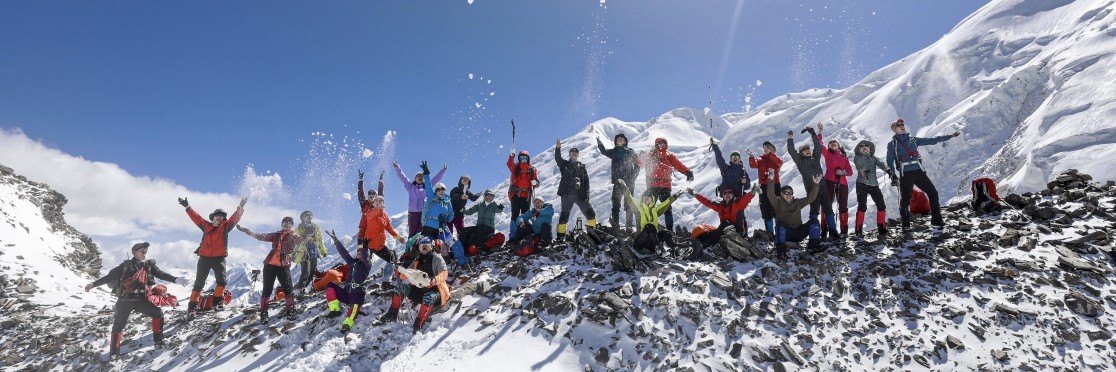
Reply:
x=538, y=220
x=903, y=156
x=350, y=292
x=733, y=174
x=438, y=211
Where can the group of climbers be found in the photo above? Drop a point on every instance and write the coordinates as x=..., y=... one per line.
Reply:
x=436, y=217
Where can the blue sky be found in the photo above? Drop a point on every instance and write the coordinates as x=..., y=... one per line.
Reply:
x=194, y=92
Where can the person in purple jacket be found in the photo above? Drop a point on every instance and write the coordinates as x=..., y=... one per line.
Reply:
x=416, y=196
x=352, y=291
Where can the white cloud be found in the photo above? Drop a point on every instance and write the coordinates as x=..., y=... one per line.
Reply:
x=117, y=208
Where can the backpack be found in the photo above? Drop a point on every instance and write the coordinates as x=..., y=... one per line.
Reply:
x=494, y=240
x=985, y=199
x=131, y=284
x=920, y=203
x=527, y=246
x=207, y=300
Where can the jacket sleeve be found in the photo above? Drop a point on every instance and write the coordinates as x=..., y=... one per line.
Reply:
x=932, y=140
x=880, y=164
x=437, y=177
x=813, y=193
x=387, y=226
x=849, y=171
x=891, y=156
x=719, y=158
x=456, y=193
x=344, y=253
x=662, y=207
x=606, y=152
x=269, y=237
x=194, y=217
x=234, y=219
x=677, y=164
x=115, y=273
x=704, y=201
x=403, y=179
x=318, y=238
x=818, y=149
x=362, y=227
x=795, y=156
x=511, y=163
x=778, y=162
x=429, y=188
x=745, y=200
x=753, y=163
x=360, y=192
x=380, y=187
x=771, y=197
x=558, y=159
x=160, y=274
x=471, y=210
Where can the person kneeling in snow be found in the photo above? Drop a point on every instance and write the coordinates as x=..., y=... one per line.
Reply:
x=423, y=280
x=135, y=278
x=352, y=291
x=535, y=227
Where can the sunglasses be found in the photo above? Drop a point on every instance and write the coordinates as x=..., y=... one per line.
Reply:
x=144, y=250
x=440, y=189
x=788, y=192
x=901, y=125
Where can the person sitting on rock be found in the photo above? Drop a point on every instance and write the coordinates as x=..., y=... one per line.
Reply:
x=486, y=220
x=135, y=276
x=648, y=236
x=435, y=293
x=351, y=292
x=730, y=210
x=788, y=217
x=537, y=222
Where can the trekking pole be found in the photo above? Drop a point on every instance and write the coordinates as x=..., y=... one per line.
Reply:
x=513, y=133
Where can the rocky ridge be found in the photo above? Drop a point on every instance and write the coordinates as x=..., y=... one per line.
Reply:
x=1028, y=289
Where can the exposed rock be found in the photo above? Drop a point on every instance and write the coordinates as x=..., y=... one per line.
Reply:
x=1080, y=304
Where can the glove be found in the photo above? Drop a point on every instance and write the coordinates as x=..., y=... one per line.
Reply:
x=690, y=191
x=894, y=181
x=360, y=175
x=678, y=194
x=425, y=169
x=808, y=129
x=840, y=172
x=183, y=202
x=689, y=176
x=181, y=281
x=955, y=134
x=534, y=183
x=400, y=239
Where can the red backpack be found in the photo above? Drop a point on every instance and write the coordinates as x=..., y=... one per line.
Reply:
x=207, y=300
x=985, y=199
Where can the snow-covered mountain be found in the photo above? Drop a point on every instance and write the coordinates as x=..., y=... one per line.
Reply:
x=1025, y=80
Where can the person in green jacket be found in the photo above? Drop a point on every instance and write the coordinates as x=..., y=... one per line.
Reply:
x=486, y=220
x=307, y=253
x=649, y=236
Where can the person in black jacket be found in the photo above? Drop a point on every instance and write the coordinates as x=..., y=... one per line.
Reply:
x=135, y=276
x=733, y=174
x=573, y=189
x=625, y=168
x=459, y=196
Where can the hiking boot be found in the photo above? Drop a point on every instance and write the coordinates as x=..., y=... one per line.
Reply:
x=814, y=246
x=859, y=233
x=390, y=316
x=881, y=231
x=781, y=252
x=345, y=327
x=387, y=285
x=290, y=313
x=191, y=310
x=263, y=318
x=218, y=307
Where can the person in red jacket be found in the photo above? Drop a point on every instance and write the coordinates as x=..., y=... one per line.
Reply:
x=661, y=165
x=524, y=180
x=212, y=251
x=730, y=210
x=837, y=172
x=764, y=162
x=277, y=265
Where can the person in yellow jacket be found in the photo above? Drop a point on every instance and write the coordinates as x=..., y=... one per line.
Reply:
x=306, y=253
x=648, y=236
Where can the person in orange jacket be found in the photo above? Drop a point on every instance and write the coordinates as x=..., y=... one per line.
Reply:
x=366, y=202
x=277, y=265
x=373, y=224
x=661, y=165
x=212, y=251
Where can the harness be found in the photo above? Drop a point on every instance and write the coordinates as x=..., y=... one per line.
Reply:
x=915, y=158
